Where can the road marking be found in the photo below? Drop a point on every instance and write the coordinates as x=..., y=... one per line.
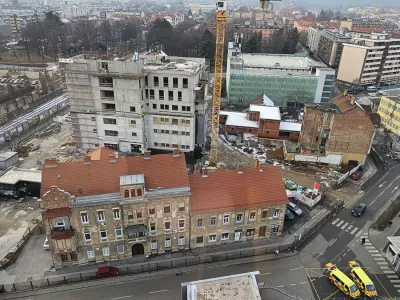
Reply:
x=160, y=291
x=353, y=245
x=369, y=247
x=339, y=259
x=388, y=271
x=392, y=276
x=354, y=230
x=373, y=251
x=334, y=222
x=304, y=282
x=122, y=297
x=394, y=281
x=340, y=223
x=359, y=233
x=344, y=226
x=368, y=244
x=395, y=189
x=379, y=258
x=396, y=286
x=384, y=267
x=381, y=185
x=265, y=274
x=292, y=284
x=348, y=228
x=331, y=243
x=365, y=234
x=296, y=268
x=376, y=254
x=381, y=263
x=279, y=286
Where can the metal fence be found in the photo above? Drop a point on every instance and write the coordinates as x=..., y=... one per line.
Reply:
x=380, y=164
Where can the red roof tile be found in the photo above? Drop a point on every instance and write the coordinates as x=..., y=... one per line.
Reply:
x=162, y=171
x=56, y=212
x=102, y=153
x=227, y=190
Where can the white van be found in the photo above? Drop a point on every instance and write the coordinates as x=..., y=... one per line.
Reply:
x=372, y=88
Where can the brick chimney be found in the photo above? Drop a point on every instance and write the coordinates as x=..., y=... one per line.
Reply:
x=147, y=154
x=204, y=172
x=257, y=163
x=240, y=169
x=87, y=160
x=175, y=153
x=50, y=163
x=352, y=100
x=345, y=93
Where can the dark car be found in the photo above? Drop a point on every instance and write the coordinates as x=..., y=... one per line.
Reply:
x=356, y=175
x=359, y=209
x=288, y=215
x=103, y=272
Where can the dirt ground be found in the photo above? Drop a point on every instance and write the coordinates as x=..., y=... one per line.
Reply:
x=15, y=218
x=54, y=146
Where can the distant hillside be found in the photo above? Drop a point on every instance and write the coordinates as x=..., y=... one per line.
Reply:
x=342, y=3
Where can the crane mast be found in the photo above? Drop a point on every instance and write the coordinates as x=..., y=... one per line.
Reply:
x=218, y=72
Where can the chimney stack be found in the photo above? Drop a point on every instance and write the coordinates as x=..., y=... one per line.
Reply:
x=175, y=153
x=346, y=92
x=87, y=160
x=204, y=172
x=240, y=169
x=257, y=163
x=147, y=154
x=352, y=101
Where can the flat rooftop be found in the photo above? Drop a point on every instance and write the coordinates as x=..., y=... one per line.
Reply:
x=238, y=287
x=395, y=241
x=284, y=61
x=6, y=155
x=15, y=174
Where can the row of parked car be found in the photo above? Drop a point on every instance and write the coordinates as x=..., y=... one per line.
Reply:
x=6, y=80
x=292, y=210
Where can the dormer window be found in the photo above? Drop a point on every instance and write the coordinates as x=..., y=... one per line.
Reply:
x=126, y=194
x=139, y=193
x=133, y=193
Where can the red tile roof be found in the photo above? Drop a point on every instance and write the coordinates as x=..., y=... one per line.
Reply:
x=102, y=153
x=56, y=212
x=162, y=171
x=227, y=190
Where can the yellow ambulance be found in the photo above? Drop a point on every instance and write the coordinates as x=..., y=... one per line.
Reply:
x=361, y=279
x=342, y=282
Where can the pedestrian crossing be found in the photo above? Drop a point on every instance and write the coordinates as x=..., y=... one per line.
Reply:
x=349, y=228
x=381, y=262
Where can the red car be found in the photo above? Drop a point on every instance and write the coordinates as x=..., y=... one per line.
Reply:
x=356, y=175
x=103, y=272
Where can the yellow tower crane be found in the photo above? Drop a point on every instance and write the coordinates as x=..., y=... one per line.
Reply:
x=264, y=4
x=218, y=73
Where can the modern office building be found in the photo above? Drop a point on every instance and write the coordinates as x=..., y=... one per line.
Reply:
x=370, y=61
x=330, y=46
x=133, y=104
x=288, y=80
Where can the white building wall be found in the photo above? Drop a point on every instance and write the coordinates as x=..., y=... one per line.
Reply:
x=321, y=85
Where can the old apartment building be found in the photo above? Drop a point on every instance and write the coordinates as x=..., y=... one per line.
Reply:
x=252, y=206
x=339, y=127
x=137, y=103
x=108, y=207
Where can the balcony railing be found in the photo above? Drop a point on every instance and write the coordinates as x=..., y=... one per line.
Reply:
x=64, y=231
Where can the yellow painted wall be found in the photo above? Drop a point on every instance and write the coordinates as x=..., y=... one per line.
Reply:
x=350, y=156
x=389, y=111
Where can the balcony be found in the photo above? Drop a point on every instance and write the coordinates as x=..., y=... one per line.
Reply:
x=136, y=233
x=62, y=232
x=106, y=82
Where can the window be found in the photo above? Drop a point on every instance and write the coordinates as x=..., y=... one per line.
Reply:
x=212, y=238
x=88, y=237
x=277, y=213
x=100, y=215
x=110, y=133
x=181, y=206
x=155, y=79
x=264, y=214
x=126, y=194
x=174, y=132
x=133, y=122
x=185, y=83
x=108, y=106
x=153, y=227
x=109, y=121
x=146, y=81
x=134, y=134
x=167, y=225
x=152, y=94
x=84, y=218
x=154, y=106
x=116, y=214
x=153, y=245
x=185, y=108
x=152, y=211
x=181, y=241
x=139, y=214
x=175, y=146
x=130, y=214
x=199, y=240
x=106, y=251
x=103, y=235
x=73, y=257
x=155, y=131
x=120, y=249
x=174, y=121
x=133, y=193
x=187, y=133
x=170, y=95
x=179, y=96
x=239, y=218
x=161, y=95
x=213, y=221
x=250, y=232
x=167, y=242
x=164, y=106
x=273, y=228
x=181, y=223
x=146, y=93
x=165, y=81
x=93, y=119
x=154, y=120
x=167, y=209
x=226, y=219
x=175, y=82
x=94, y=130
x=252, y=216
x=90, y=254
x=225, y=236
x=186, y=122
x=199, y=222
x=133, y=109
x=118, y=232
x=175, y=107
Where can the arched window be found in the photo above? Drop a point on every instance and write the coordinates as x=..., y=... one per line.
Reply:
x=139, y=192
x=126, y=194
x=133, y=193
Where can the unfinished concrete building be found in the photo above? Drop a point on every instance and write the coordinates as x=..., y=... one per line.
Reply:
x=130, y=105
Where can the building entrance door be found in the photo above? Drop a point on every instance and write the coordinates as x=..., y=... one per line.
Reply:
x=237, y=235
x=137, y=249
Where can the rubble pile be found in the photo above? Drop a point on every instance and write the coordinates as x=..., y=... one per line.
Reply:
x=23, y=150
x=53, y=128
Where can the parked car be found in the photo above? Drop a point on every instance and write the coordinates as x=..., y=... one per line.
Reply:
x=359, y=209
x=103, y=272
x=356, y=175
x=294, y=209
x=46, y=244
x=372, y=94
x=3, y=80
x=288, y=215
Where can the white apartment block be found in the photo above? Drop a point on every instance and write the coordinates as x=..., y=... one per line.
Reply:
x=314, y=34
x=132, y=105
x=370, y=61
